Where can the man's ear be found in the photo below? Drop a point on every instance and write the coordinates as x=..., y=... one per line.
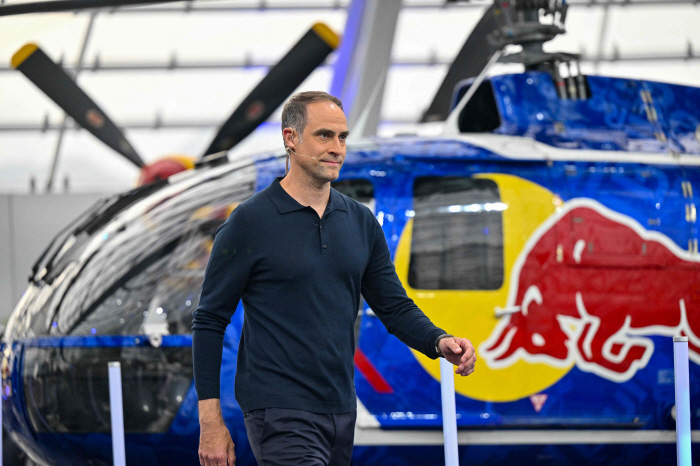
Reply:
x=288, y=134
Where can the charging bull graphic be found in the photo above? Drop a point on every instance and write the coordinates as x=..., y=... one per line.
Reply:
x=613, y=284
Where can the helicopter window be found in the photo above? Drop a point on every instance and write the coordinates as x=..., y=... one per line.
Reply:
x=358, y=189
x=67, y=389
x=480, y=115
x=150, y=272
x=457, y=241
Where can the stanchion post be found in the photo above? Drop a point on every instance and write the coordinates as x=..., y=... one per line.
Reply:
x=449, y=412
x=1, y=429
x=117, y=413
x=682, y=380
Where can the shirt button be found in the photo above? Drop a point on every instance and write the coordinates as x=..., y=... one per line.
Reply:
x=320, y=226
x=324, y=246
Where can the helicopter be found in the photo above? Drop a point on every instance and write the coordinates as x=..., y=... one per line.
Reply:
x=553, y=222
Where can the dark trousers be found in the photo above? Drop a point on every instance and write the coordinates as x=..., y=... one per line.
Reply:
x=292, y=437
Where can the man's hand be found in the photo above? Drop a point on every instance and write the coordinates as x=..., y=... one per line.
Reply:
x=460, y=352
x=215, y=445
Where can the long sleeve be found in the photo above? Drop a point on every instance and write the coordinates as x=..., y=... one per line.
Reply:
x=225, y=280
x=387, y=297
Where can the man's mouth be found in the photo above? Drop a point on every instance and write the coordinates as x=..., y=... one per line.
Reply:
x=335, y=164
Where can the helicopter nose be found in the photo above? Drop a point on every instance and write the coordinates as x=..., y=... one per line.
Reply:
x=164, y=168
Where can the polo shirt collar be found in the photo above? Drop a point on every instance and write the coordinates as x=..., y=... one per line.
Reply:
x=286, y=203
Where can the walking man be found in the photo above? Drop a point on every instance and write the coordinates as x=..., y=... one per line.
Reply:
x=298, y=254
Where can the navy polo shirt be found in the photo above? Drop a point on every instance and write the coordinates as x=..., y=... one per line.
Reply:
x=300, y=279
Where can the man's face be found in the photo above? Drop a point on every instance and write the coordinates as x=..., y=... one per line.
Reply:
x=324, y=138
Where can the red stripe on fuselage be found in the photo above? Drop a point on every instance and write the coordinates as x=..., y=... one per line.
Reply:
x=369, y=372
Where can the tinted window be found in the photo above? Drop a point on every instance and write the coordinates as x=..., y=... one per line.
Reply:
x=358, y=189
x=67, y=389
x=480, y=115
x=457, y=235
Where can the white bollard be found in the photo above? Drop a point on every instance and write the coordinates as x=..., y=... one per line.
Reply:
x=117, y=413
x=449, y=412
x=682, y=380
x=1, y=426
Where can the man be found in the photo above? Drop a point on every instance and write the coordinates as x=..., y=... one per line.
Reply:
x=299, y=254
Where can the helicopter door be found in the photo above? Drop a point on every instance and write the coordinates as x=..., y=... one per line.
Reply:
x=362, y=191
x=459, y=257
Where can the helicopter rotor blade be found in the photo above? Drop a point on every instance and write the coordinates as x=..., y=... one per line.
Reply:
x=70, y=5
x=475, y=54
x=309, y=52
x=53, y=80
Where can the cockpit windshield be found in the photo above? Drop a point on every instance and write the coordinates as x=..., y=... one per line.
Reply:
x=150, y=270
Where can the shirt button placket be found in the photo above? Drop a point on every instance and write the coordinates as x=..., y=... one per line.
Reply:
x=324, y=240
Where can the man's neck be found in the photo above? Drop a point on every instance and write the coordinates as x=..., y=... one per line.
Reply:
x=307, y=191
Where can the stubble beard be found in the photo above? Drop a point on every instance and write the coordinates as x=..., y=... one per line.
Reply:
x=321, y=174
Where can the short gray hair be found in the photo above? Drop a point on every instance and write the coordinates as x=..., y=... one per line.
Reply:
x=294, y=111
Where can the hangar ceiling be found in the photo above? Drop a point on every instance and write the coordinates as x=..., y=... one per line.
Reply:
x=170, y=74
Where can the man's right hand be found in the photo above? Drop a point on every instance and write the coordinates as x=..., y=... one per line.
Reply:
x=215, y=445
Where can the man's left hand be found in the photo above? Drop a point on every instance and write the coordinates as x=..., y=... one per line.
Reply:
x=460, y=352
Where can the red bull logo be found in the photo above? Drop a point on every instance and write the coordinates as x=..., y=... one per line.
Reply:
x=615, y=284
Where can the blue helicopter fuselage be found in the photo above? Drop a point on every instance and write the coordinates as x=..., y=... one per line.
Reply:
x=563, y=243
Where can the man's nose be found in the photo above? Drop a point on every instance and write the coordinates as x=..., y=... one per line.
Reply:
x=336, y=147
